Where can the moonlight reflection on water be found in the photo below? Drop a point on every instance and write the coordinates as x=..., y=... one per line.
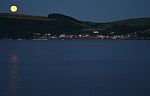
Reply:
x=14, y=79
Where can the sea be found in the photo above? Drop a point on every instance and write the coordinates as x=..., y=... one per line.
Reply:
x=75, y=68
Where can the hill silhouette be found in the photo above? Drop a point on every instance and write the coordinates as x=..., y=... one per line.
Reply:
x=24, y=26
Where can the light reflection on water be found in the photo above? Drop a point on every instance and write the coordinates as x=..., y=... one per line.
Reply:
x=14, y=79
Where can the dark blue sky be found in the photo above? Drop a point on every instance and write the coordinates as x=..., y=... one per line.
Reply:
x=91, y=10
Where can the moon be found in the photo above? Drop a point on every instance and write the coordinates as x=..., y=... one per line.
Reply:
x=13, y=8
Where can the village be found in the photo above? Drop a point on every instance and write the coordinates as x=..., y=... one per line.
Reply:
x=85, y=36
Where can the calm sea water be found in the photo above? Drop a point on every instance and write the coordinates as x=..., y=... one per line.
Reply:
x=75, y=68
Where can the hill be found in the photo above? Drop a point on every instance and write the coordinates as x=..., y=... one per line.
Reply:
x=129, y=26
x=25, y=26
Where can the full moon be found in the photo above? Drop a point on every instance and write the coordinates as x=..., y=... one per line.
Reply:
x=13, y=8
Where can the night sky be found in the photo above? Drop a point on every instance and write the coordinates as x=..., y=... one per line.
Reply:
x=89, y=10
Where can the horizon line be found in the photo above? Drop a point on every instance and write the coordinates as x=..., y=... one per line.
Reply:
x=46, y=17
